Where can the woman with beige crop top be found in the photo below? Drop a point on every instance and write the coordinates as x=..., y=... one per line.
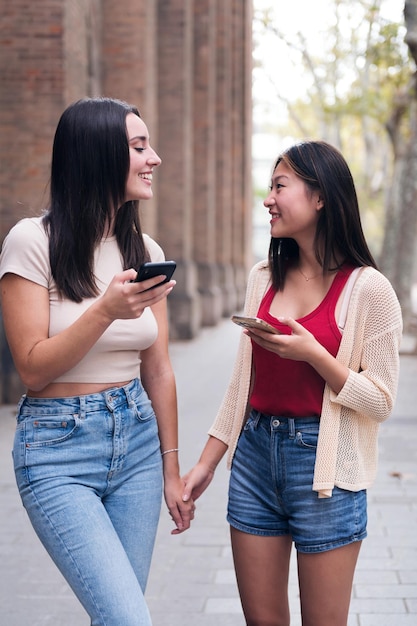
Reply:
x=299, y=420
x=96, y=440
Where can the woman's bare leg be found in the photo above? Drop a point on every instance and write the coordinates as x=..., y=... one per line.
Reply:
x=326, y=580
x=262, y=567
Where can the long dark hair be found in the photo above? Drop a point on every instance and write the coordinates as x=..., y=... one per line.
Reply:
x=339, y=236
x=90, y=166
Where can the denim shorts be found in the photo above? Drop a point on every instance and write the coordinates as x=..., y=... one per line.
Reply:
x=270, y=490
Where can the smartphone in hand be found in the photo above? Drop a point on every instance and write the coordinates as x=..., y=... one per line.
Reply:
x=149, y=270
x=254, y=322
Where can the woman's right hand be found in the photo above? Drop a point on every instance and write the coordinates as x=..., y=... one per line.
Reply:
x=124, y=299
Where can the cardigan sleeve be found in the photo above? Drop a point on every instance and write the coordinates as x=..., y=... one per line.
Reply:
x=228, y=422
x=234, y=402
x=347, y=449
x=370, y=388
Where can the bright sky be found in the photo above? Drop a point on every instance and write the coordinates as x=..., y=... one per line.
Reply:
x=310, y=17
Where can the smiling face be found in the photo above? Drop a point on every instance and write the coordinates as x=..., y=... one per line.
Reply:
x=293, y=207
x=143, y=160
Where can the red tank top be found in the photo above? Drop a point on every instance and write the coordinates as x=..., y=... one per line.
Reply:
x=294, y=388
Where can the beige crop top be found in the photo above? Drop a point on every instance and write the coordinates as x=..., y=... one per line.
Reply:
x=116, y=355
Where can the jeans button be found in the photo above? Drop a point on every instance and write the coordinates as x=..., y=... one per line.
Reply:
x=275, y=423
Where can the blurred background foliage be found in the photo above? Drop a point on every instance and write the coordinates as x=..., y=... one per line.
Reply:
x=348, y=78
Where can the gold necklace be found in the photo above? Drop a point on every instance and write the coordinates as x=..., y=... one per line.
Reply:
x=307, y=278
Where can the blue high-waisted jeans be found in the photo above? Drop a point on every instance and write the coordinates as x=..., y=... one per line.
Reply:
x=89, y=473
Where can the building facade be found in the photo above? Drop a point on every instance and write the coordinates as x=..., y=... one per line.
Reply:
x=186, y=64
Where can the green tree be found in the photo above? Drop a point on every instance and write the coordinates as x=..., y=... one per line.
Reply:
x=406, y=230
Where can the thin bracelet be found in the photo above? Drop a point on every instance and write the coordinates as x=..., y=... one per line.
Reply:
x=171, y=450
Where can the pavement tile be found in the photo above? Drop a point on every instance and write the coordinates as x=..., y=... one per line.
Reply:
x=223, y=605
x=387, y=620
x=408, y=576
x=377, y=577
x=391, y=606
x=225, y=577
x=387, y=591
x=411, y=604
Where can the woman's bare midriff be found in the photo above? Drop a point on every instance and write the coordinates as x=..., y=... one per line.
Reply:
x=66, y=390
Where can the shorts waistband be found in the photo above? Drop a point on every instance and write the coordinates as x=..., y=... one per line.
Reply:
x=281, y=422
x=109, y=398
x=308, y=418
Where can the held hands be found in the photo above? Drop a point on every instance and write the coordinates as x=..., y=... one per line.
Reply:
x=196, y=481
x=181, y=511
x=127, y=300
x=192, y=485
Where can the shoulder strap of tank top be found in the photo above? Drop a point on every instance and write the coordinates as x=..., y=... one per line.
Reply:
x=346, y=297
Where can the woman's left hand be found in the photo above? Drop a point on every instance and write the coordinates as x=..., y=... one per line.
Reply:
x=300, y=345
x=182, y=513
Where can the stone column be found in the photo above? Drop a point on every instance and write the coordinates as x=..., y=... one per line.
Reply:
x=129, y=72
x=241, y=121
x=175, y=142
x=31, y=101
x=205, y=161
x=224, y=156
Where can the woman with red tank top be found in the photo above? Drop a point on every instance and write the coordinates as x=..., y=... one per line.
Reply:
x=301, y=413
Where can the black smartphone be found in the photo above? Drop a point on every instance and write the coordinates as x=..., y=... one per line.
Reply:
x=149, y=270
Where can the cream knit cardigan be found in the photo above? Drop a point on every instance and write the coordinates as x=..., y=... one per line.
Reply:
x=347, y=450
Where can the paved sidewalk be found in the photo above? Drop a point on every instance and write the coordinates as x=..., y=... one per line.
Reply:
x=192, y=581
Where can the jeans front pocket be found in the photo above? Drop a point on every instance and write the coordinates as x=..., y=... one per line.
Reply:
x=44, y=445
x=49, y=430
x=306, y=439
x=144, y=414
x=142, y=406
x=253, y=420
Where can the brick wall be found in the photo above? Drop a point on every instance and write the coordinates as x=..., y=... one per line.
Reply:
x=187, y=66
x=31, y=97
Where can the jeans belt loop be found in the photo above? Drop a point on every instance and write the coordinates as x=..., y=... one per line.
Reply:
x=82, y=407
x=291, y=427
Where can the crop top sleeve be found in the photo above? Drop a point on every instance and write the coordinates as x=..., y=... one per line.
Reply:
x=115, y=357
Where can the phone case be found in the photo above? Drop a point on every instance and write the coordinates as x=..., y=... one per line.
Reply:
x=149, y=270
x=254, y=322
